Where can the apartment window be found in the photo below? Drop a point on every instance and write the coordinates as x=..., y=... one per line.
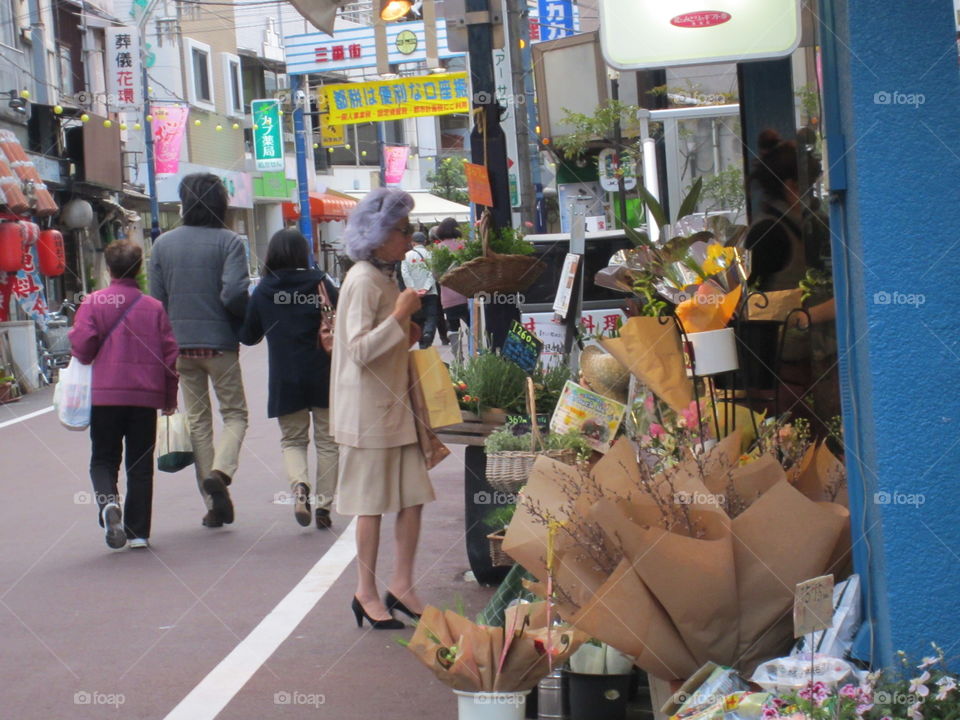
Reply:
x=8, y=33
x=199, y=71
x=66, y=70
x=233, y=83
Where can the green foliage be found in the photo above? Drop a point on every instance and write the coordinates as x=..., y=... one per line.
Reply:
x=599, y=127
x=817, y=287
x=500, y=517
x=449, y=180
x=505, y=241
x=725, y=190
x=494, y=382
x=548, y=384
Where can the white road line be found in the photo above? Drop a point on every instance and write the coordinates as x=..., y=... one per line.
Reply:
x=26, y=417
x=218, y=688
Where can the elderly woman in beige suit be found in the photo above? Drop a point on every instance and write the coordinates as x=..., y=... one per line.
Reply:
x=382, y=469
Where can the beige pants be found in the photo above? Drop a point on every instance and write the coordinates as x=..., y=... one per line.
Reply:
x=295, y=430
x=224, y=372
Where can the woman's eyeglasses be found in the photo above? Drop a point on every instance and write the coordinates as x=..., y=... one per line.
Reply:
x=406, y=230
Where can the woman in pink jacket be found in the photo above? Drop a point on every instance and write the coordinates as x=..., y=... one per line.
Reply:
x=128, y=338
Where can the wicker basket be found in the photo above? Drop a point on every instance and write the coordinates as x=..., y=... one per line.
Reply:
x=507, y=471
x=498, y=558
x=492, y=272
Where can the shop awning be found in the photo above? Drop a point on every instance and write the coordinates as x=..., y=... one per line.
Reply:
x=430, y=209
x=323, y=207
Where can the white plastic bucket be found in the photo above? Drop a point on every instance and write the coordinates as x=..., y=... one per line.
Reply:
x=714, y=351
x=491, y=705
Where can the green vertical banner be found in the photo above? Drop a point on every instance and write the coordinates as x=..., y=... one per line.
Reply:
x=267, y=134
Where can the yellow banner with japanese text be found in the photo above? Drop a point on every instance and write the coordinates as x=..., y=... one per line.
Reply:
x=407, y=97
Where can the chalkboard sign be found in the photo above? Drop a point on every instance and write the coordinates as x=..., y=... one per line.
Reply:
x=522, y=347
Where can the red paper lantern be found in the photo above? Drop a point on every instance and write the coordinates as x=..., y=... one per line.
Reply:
x=53, y=261
x=11, y=247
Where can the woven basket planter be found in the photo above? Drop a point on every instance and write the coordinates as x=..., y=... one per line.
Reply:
x=492, y=272
x=508, y=471
x=498, y=558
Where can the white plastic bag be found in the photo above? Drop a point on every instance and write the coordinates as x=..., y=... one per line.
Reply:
x=73, y=395
x=838, y=639
x=174, y=449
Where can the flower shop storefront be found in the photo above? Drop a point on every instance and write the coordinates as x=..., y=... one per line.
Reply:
x=689, y=509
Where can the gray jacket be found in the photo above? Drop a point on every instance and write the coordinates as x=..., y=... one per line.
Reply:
x=200, y=275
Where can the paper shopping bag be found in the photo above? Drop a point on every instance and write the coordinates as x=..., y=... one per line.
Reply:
x=174, y=449
x=433, y=378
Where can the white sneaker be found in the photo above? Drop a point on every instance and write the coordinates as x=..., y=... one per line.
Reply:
x=113, y=526
x=137, y=543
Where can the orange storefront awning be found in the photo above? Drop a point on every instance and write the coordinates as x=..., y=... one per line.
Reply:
x=323, y=207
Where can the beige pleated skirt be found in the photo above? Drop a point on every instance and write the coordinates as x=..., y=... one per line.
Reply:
x=376, y=481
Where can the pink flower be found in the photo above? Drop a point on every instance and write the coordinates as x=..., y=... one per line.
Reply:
x=649, y=404
x=817, y=692
x=770, y=712
x=848, y=691
x=656, y=430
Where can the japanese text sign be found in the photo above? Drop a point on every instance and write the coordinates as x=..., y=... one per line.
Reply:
x=407, y=97
x=478, y=184
x=561, y=303
x=556, y=19
x=813, y=605
x=522, y=347
x=122, y=57
x=590, y=414
x=267, y=134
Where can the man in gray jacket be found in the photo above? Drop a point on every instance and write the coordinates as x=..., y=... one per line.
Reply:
x=199, y=272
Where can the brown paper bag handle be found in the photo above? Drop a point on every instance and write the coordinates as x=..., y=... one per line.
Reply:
x=536, y=440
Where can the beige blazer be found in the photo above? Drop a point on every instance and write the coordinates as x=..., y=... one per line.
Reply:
x=370, y=406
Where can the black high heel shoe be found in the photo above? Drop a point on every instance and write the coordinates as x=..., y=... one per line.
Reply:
x=360, y=614
x=393, y=603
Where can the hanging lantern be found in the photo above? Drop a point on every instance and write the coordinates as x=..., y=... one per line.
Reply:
x=11, y=247
x=53, y=260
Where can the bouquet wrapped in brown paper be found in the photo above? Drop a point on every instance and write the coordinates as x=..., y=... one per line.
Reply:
x=695, y=563
x=482, y=658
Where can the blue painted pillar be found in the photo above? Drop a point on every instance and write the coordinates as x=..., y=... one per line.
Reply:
x=892, y=101
x=304, y=224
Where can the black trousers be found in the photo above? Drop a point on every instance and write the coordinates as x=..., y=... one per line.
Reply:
x=112, y=427
x=430, y=309
x=455, y=314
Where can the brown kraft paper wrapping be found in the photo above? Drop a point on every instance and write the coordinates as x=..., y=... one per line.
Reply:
x=526, y=538
x=779, y=304
x=780, y=540
x=626, y=615
x=653, y=353
x=693, y=578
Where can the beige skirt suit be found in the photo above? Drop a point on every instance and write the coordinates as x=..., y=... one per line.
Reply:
x=382, y=469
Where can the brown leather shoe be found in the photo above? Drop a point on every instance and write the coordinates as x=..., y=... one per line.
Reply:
x=216, y=487
x=210, y=520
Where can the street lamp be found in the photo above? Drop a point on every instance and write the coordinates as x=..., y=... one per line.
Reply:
x=394, y=9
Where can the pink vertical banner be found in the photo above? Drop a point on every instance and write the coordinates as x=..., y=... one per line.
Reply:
x=394, y=163
x=169, y=122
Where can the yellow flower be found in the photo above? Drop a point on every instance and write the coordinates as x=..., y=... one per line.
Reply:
x=718, y=259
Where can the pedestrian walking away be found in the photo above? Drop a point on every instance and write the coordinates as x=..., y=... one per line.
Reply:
x=454, y=304
x=382, y=468
x=199, y=272
x=416, y=274
x=128, y=338
x=286, y=308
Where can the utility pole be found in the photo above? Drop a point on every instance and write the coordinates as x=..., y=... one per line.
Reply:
x=147, y=124
x=488, y=144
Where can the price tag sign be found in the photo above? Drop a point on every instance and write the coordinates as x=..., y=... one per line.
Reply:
x=813, y=606
x=522, y=347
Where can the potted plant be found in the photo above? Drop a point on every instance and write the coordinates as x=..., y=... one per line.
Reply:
x=8, y=389
x=497, y=522
x=494, y=385
x=599, y=681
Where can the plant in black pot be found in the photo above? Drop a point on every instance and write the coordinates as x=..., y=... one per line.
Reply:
x=599, y=682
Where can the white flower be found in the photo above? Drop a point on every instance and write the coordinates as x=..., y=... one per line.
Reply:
x=946, y=684
x=914, y=712
x=927, y=662
x=918, y=685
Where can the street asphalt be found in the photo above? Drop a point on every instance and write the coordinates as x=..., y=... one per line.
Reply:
x=89, y=632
